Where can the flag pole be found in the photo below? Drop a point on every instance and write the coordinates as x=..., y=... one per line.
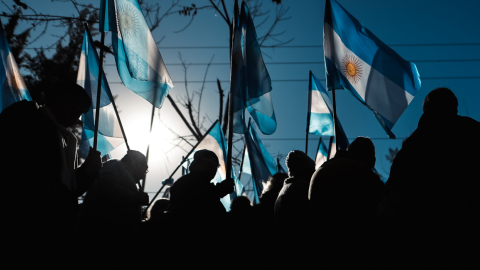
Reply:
x=99, y=91
x=308, y=109
x=110, y=92
x=243, y=157
x=329, y=148
x=230, y=137
x=148, y=147
x=318, y=147
x=335, y=117
x=255, y=186
x=183, y=160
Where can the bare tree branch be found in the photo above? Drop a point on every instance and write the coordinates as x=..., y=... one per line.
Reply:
x=201, y=89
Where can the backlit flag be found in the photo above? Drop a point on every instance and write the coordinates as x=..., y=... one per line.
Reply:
x=109, y=132
x=357, y=61
x=322, y=154
x=320, y=114
x=250, y=81
x=319, y=118
x=251, y=190
x=262, y=164
x=138, y=59
x=13, y=86
x=215, y=142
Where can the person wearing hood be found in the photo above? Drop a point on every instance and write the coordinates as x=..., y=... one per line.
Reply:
x=291, y=207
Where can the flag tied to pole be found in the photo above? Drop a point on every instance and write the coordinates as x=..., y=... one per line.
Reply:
x=138, y=59
x=320, y=114
x=357, y=61
x=215, y=142
x=322, y=154
x=262, y=165
x=109, y=132
x=250, y=82
x=13, y=86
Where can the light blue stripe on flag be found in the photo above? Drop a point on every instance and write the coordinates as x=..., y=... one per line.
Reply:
x=110, y=135
x=139, y=63
x=12, y=85
x=357, y=61
x=322, y=154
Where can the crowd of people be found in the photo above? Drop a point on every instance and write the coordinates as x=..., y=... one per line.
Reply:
x=342, y=214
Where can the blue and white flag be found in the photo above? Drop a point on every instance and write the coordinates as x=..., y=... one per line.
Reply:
x=320, y=117
x=215, y=142
x=250, y=82
x=13, y=86
x=138, y=59
x=109, y=132
x=357, y=61
x=248, y=181
x=322, y=154
x=262, y=164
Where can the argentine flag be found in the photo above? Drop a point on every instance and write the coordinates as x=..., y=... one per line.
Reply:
x=251, y=190
x=320, y=114
x=250, y=82
x=109, y=132
x=357, y=61
x=13, y=86
x=138, y=59
x=322, y=154
x=215, y=142
x=261, y=163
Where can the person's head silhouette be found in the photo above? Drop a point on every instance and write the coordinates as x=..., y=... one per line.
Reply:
x=204, y=162
x=440, y=101
x=67, y=101
x=363, y=150
x=300, y=164
x=137, y=164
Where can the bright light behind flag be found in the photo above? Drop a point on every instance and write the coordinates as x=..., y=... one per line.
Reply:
x=138, y=59
x=109, y=132
x=357, y=61
x=251, y=192
x=13, y=86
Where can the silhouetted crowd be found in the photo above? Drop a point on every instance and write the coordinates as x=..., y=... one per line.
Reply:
x=338, y=216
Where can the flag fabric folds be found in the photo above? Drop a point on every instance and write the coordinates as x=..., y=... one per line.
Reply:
x=215, y=142
x=109, y=132
x=250, y=82
x=357, y=61
x=138, y=59
x=320, y=117
x=250, y=187
x=261, y=163
x=13, y=86
x=322, y=154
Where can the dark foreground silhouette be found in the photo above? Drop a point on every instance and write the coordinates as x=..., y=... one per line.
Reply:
x=339, y=217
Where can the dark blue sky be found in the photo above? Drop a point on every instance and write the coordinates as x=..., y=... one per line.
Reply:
x=420, y=31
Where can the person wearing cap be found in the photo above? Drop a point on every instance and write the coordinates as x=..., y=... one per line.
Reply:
x=194, y=198
x=431, y=202
x=291, y=207
x=44, y=181
x=112, y=205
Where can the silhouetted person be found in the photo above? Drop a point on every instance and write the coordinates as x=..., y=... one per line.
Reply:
x=291, y=207
x=155, y=227
x=41, y=155
x=431, y=203
x=344, y=195
x=264, y=211
x=195, y=200
x=111, y=208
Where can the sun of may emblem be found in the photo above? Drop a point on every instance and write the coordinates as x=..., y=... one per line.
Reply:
x=352, y=68
x=127, y=20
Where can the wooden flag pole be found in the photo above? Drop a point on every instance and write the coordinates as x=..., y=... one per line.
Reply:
x=308, y=109
x=183, y=160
